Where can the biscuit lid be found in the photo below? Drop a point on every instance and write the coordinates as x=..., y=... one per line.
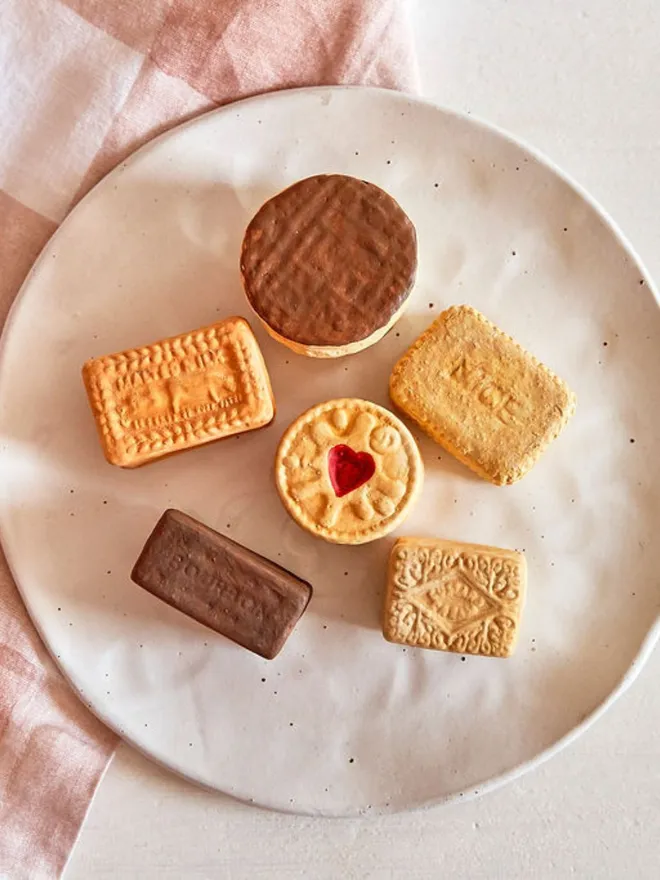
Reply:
x=329, y=261
x=348, y=471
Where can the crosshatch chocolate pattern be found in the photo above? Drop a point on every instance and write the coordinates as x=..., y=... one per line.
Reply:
x=329, y=261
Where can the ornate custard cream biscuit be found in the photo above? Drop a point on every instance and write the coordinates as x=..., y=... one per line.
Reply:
x=328, y=264
x=480, y=395
x=179, y=393
x=456, y=597
x=348, y=471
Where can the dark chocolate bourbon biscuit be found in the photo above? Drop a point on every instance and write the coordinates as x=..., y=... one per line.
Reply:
x=220, y=583
x=329, y=261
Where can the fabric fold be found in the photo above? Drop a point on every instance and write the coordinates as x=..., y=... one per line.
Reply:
x=84, y=83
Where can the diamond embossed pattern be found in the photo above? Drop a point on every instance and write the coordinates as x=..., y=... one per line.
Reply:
x=456, y=597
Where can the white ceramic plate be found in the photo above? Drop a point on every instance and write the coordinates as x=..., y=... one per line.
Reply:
x=342, y=722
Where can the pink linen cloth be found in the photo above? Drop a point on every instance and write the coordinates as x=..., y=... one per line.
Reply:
x=82, y=84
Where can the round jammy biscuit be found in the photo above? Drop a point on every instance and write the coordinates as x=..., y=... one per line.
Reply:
x=348, y=471
x=328, y=264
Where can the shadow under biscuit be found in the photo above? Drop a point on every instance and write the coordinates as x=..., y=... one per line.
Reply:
x=348, y=581
x=437, y=460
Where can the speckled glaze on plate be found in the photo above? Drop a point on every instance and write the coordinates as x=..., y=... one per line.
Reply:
x=342, y=722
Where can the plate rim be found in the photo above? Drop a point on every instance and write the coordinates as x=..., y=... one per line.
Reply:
x=652, y=635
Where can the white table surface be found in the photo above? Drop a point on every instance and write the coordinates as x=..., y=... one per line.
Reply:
x=577, y=79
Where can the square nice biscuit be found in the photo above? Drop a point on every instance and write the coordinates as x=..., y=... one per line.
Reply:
x=449, y=596
x=479, y=394
x=179, y=393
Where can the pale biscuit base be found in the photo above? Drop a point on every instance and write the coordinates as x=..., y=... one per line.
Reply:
x=479, y=394
x=375, y=507
x=329, y=351
x=449, y=596
x=179, y=393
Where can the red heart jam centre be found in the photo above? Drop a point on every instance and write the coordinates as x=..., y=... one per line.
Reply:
x=349, y=469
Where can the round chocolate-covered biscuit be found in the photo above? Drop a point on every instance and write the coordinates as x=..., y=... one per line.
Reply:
x=329, y=261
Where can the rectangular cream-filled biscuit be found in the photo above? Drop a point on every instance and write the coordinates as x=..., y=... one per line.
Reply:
x=179, y=393
x=450, y=596
x=481, y=395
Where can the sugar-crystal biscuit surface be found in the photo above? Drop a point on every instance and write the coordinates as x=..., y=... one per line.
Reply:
x=450, y=596
x=480, y=395
x=179, y=393
x=348, y=471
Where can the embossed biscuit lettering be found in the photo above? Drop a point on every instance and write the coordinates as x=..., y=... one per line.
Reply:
x=479, y=394
x=238, y=603
x=173, y=563
x=179, y=393
x=476, y=379
x=235, y=602
x=165, y=400
x=198, y=390
x=191, y=570
x=230, y=593
x=221, y=584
